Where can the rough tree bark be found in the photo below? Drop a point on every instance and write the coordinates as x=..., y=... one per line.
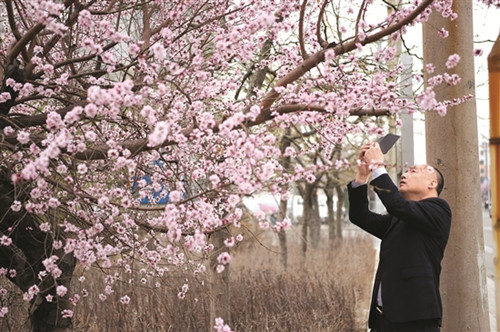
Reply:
x=30, y=246
x=311, y=218
x=285, y=162
x=220, y=296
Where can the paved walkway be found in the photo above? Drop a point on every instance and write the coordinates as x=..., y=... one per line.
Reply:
x=489, y=255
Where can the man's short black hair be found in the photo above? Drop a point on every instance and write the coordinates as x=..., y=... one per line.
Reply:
x=440, y=184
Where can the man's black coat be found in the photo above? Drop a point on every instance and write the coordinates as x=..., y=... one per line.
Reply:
x=414, y=235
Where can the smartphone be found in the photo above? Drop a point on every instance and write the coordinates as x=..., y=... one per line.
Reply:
x=387, y=142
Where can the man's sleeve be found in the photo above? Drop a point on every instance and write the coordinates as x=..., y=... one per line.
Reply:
x=360, y=215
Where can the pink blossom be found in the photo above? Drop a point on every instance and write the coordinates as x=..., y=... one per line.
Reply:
x=310, y=178
x=175, y=196
x=435, y=80
x=224, y=258
x=85, y=18
x=453, y=79
x=220, y=326
x=159, y=134
x=214, y=179
x=82, y=169
x=66, y=313
x=159, y=52
x=134, y=49
x=233, y=200
x=452, y=61
x=23, y=137
x=4, y=96
x=443, y=33
x=229, y=242
x=108, y=290
x=61, y=290
x=16, y=206
x=8, y=130
x=427, y=100
x=54, y=202
x=284, y=224
x=289, y=152
x=90, y=110
x=5, y=241
x=264, y=225
x=45, y=227
x=3, y=311
x=125, y=299
x=32, y=291
x=441, y=109
x=91, y=135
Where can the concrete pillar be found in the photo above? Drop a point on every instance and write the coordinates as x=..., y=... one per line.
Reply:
x=452, y=146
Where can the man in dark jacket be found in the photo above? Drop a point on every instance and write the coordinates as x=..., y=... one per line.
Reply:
x=414, y=233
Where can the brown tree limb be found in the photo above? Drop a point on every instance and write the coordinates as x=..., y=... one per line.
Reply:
x=303, y=51
x=321, y=41
x=19, y=46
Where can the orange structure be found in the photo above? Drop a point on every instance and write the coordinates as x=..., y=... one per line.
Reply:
x=494, y=84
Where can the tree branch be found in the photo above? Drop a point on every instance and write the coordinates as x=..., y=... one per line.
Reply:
x=321, y=41
x=341, y=48
x=303, y=51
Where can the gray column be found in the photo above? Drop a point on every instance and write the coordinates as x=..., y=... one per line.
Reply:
x=452, y=146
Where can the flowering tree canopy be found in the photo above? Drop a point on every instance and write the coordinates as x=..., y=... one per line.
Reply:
x=132, y=129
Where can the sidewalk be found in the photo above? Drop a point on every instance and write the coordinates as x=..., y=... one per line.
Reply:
x=489, y=257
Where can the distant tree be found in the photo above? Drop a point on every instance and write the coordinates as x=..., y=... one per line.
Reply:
x=107, y=104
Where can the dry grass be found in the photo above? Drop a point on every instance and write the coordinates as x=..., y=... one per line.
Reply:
x=329, y=291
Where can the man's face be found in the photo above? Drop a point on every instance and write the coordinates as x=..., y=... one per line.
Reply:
x=417, y=181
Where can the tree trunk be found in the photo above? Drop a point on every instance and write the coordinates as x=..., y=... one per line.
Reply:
x=304, y=222
x=282, y=238
x=452, y=146
x=311, y=214
x=219, y=282
x=285, y=162
x=329, y=192
x=338, y=216
x=30, y=246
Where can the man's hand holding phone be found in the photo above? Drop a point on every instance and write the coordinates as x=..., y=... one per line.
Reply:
x=371, y=156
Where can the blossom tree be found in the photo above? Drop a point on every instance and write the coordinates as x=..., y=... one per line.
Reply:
x=132, y=130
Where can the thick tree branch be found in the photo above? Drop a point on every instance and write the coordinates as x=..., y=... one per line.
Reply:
x=35, y=120
x=321, y=41
x=303, y=51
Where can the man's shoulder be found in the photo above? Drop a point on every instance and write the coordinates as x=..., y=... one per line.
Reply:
x=438, y=202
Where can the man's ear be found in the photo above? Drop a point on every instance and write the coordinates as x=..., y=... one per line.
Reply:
x=433, y=184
